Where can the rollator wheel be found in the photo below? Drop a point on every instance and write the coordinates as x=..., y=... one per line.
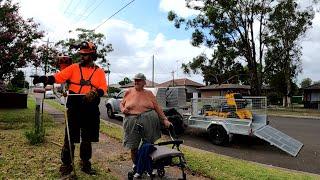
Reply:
x=184, y=176
x=161, y=172
x=130, y=175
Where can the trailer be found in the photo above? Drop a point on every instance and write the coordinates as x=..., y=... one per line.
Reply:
x=222, y=117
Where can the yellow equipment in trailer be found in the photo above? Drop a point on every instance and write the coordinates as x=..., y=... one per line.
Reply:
x=234, y=107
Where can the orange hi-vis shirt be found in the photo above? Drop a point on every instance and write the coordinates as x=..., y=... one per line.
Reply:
x=73, y=74
x=138, y=102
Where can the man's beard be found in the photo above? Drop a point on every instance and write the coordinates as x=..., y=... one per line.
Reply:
x=86, y=62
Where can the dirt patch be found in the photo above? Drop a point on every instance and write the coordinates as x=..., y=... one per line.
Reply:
x=110, y=155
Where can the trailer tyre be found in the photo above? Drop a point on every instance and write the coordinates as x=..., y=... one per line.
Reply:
x=218, y=135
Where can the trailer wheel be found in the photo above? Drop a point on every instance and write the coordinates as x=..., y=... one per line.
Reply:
x=218, y=135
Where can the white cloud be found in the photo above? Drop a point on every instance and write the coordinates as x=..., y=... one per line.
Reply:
x=134, y=47
x=311, y=56
x=179, y=7
x=133, y=51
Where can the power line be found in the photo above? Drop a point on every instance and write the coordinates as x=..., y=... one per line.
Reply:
x=93, y=10
x=128, y=57
x=75, y=8
x=68, y=6
x=86, y=9
x=114, y=14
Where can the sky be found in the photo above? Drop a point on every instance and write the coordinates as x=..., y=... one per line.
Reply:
x=141, y=31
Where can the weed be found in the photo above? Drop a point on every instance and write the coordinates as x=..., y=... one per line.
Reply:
x=35, y=137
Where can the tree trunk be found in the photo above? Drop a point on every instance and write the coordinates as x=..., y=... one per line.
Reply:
x=288, y=93
x=255, y=81
x=287, y=75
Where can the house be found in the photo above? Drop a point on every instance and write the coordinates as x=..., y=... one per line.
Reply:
x=311, y=96
x=190, y=86
x=148, y=84
x=222, y=89
x=115, y=86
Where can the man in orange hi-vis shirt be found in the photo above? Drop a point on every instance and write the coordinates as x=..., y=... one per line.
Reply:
x=87, y=83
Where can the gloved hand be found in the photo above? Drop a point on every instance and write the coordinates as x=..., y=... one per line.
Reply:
x=91, y=96
x=40, y=79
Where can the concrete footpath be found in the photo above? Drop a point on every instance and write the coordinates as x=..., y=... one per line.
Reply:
x=110, y=155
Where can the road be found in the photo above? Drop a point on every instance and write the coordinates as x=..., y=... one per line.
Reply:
x=306, y=131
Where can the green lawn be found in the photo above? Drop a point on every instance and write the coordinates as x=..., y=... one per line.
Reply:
x=20, y=160
x=295, y=111
x=53, y=103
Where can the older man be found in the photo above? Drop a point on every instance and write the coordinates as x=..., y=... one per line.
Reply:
x=142, y=114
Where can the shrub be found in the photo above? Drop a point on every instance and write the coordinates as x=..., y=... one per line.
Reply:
x=35, y=137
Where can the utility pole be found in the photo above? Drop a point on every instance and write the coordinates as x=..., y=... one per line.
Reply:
x=172, y=72
x=45, y=73
x=46, y=58
x=152, y=70
x=177, y=70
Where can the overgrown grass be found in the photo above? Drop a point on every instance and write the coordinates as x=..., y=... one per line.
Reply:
x=20, y=160
x=111, y=130
x=20, y=118
x=222, y=167
x=294, y=112
x=216, y=166
x=55, y=104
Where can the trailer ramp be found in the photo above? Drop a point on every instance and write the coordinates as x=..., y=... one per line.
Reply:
x=279, y=139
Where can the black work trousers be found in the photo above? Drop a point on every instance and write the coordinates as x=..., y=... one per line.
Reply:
x=83, y=121
x=85, y=151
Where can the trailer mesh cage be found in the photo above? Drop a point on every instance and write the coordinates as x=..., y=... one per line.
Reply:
x=238, y=107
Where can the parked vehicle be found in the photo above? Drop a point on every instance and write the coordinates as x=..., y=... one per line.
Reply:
x=50, y=94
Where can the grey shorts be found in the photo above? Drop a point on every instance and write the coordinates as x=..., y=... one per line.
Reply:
x=149, y=129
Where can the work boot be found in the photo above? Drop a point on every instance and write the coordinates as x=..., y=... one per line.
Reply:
x=65, y=169
x=86, y=167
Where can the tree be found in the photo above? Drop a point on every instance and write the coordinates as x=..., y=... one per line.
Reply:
x=16, y=39
x=67, y=46
x=236, y=29
x=305, y=83
x=217, y=71
x=19, y=81
x=228, y=26
x=286, y=25
x=46, y=58
x=112, y=90
x=125, y=81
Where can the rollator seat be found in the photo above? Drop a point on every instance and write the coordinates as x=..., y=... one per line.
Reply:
x=163, y=152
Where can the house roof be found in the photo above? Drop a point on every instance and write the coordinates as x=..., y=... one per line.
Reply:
x=225, y=86
x=313, y=86
x=180, y=82
x=148, y=84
